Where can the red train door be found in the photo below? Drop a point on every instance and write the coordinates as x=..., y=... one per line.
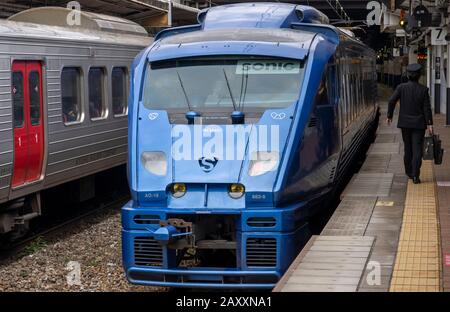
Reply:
x=28, y=122
x=20, y=125
x=35, y=124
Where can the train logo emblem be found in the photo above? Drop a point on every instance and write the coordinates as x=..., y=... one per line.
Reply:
x=153, y=116
x=278, y=116
x=208, y=164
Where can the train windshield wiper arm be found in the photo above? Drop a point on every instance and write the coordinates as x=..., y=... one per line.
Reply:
x=229, y=90
x=184, y=91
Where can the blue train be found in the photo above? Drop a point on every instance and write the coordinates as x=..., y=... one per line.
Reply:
x=239, y=127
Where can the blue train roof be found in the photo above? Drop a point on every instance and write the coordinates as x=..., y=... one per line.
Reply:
x=259, y=15
x=255, y=16
x=278, y=29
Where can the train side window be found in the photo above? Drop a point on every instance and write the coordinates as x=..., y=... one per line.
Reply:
x=71, y=95
x=344, y=98
x=353, y=95
x=97, y=107
x=17, y=91
x=34, y=87
x=349, y=98
x=119, y=91
x=332, y=84
x=322, y=97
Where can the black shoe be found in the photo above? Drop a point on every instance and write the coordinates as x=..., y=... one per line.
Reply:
x=410, y=176
x=416, y=180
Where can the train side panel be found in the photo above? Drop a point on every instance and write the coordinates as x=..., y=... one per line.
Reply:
x=89, y=146
x=6, y=139
x=72, y=151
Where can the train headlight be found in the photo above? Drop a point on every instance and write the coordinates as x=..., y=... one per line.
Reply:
x=263, y=162
x=178, y=189
x=236, y=190
x=155, y=162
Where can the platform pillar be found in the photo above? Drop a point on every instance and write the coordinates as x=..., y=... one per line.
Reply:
x=437, y=59
x=448, y=86
x=430, y=62
x=429, y=57
x=170, y=14
x=444, y=80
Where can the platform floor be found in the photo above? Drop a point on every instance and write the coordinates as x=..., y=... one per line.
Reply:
x=387, y=234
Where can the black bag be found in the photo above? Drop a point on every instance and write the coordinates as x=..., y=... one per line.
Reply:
x=438, y=150
x=428, y=148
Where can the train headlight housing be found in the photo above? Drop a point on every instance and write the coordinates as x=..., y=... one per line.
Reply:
x=236, y=190
x=263, y=162
x=155, y=162
x=178, y=189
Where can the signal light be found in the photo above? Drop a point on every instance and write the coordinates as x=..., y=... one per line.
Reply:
x=402, y=19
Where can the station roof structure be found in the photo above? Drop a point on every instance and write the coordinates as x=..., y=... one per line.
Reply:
x=185, y=11
x=144, y=12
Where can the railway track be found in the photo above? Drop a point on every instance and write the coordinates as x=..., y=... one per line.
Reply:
x=10, y=249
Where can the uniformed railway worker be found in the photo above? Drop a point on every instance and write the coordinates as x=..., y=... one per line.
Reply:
x=414, y=118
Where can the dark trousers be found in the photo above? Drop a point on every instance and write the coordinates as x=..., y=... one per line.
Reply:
x=413, y=140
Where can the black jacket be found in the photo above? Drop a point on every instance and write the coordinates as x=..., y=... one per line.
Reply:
x=415, y=107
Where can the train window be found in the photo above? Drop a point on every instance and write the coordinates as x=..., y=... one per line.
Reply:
x=119, y=91
x=209, y=84
x=97, y=93
x=332, y=84
x=353, y=95
x=322, y=96
x=71, y=94
x=349, y=98
x=343, y=98
x=34, y=89
x=17, y=91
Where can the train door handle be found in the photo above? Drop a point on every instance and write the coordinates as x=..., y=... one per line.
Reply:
x=20, y=141
x=36, y=137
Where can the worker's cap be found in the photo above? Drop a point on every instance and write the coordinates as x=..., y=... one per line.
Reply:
x=413, y=68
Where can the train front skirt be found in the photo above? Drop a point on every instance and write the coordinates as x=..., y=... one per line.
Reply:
x=161, y=248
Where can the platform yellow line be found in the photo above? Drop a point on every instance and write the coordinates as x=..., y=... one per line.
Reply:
x=418, y=262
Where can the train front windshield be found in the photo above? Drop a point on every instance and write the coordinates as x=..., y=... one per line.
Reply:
x=223, y=83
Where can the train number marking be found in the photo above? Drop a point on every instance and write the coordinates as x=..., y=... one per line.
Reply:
x=151, y=195
x=258, y=197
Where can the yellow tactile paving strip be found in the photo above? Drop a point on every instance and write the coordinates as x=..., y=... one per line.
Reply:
x=417, y=265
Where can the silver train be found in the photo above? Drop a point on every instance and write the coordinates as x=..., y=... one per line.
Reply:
x=63, y=102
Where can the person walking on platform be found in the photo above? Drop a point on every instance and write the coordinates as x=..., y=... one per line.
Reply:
x=414, y=118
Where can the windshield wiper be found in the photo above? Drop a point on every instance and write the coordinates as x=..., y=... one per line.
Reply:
x=244, y=85
x=229, y=90
x=237, y=117
x=184, y=91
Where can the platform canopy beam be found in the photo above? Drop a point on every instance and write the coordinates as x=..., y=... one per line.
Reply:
x=148, y=13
